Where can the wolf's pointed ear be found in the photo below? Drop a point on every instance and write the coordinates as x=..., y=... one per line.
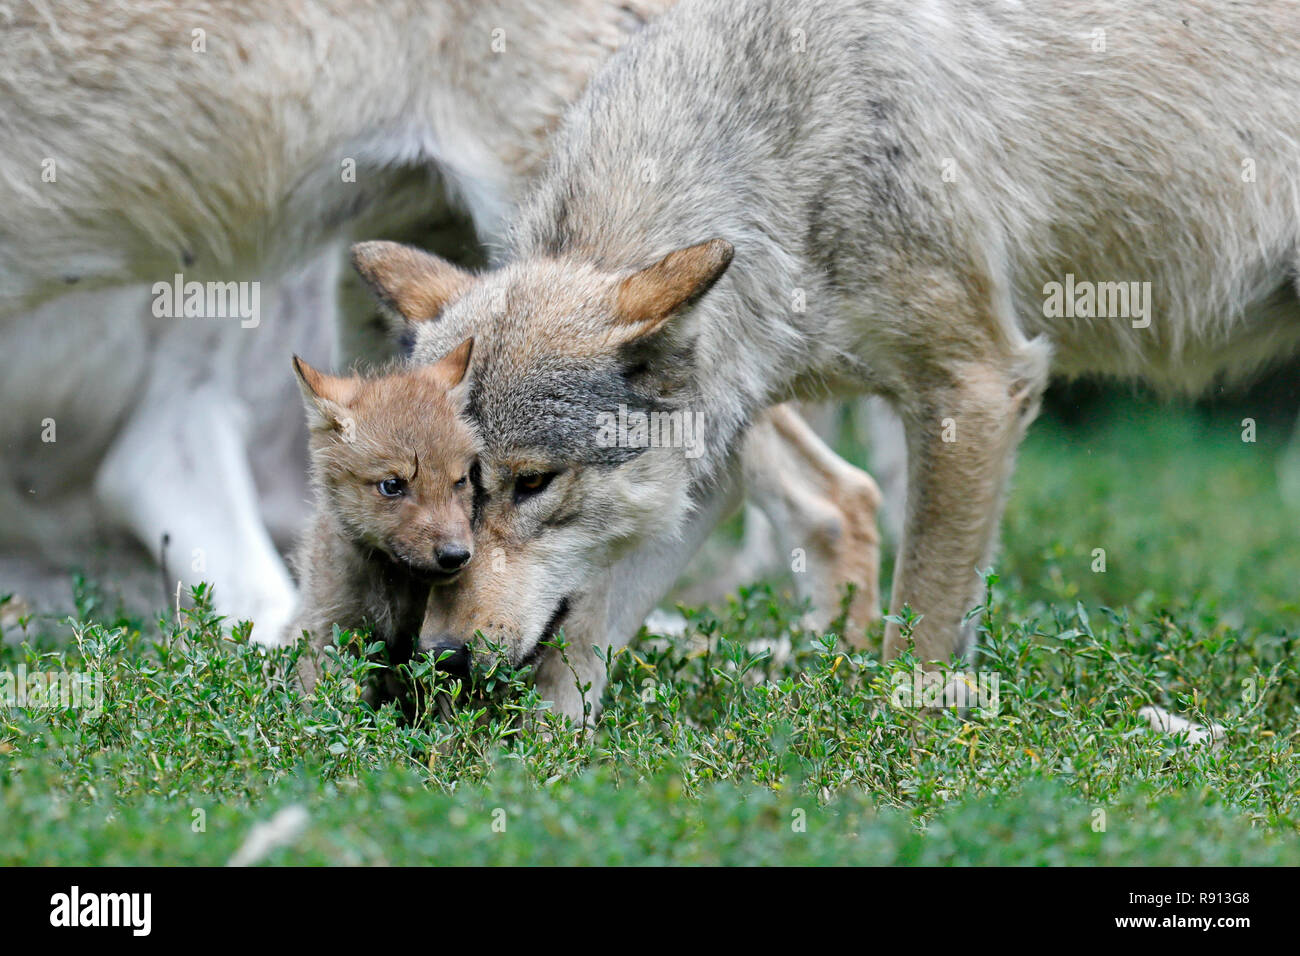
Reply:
x=449, y=371
x=325, y=396
x=415, y=284
x=649, y=298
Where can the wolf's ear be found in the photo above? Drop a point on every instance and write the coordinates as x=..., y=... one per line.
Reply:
x=649, y=298
x=415, y=284
x=326, y=396
x=449, y=371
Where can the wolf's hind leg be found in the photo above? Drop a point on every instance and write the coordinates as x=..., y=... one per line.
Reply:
x=962, y=438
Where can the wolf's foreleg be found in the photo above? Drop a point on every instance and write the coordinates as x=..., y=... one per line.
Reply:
x=179, y=472
x=961, y=441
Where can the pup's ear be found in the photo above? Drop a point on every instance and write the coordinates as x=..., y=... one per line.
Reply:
x=649, y=298
x=325, y=396
x=415, y=284
x=449, y=371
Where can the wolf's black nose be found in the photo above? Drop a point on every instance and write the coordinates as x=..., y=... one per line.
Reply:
x=451, y=557
x=451, y=659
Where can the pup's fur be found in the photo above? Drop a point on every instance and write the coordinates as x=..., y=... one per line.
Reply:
x=213, y=139
x=368, y=558
x=918, y=174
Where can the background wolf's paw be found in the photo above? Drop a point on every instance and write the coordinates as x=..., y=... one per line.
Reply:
x=1160, y=719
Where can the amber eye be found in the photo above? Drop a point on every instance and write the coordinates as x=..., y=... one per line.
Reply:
x=392, y=487
x=532, y=483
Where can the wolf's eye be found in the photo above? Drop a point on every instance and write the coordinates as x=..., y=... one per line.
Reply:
x=463, y=480
x=532, y=484
x=392, y=487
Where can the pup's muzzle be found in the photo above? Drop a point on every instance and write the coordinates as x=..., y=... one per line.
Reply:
x=451, y=558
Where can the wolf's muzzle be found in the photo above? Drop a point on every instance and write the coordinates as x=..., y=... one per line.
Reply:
x=451, y=658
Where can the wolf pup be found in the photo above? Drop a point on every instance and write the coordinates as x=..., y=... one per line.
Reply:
x=391, y=458
x=758, y=201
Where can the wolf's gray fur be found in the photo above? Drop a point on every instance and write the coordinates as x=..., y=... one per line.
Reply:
x=918, y=174
x=561, y=402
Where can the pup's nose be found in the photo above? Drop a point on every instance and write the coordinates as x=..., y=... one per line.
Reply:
x=451, y=557
x=451, y=658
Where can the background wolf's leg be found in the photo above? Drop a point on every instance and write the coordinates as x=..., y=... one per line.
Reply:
x=179, y=469
x=888, y=462
x=961, y=438
x=823, y=512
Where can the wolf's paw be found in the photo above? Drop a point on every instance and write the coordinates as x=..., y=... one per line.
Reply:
x=1160, y=719
x=15, y=615
x=271, y=619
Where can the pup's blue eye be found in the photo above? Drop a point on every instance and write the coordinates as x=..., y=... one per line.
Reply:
x=392, y=487
x=462, y=481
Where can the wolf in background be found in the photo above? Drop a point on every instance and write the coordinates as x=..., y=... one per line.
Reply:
x=233, y=142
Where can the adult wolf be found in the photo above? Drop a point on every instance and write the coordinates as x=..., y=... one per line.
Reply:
x=922, y=178
x=230, y=143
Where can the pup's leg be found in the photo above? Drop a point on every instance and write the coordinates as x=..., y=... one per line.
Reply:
x=179, y=470
x=344, y=585
x=823, y=511
x=961, y=436
x=328, y=592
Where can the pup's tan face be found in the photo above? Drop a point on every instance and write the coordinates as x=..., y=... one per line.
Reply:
x=393, y=458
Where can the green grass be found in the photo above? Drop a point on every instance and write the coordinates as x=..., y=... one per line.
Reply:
x=711, y=751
